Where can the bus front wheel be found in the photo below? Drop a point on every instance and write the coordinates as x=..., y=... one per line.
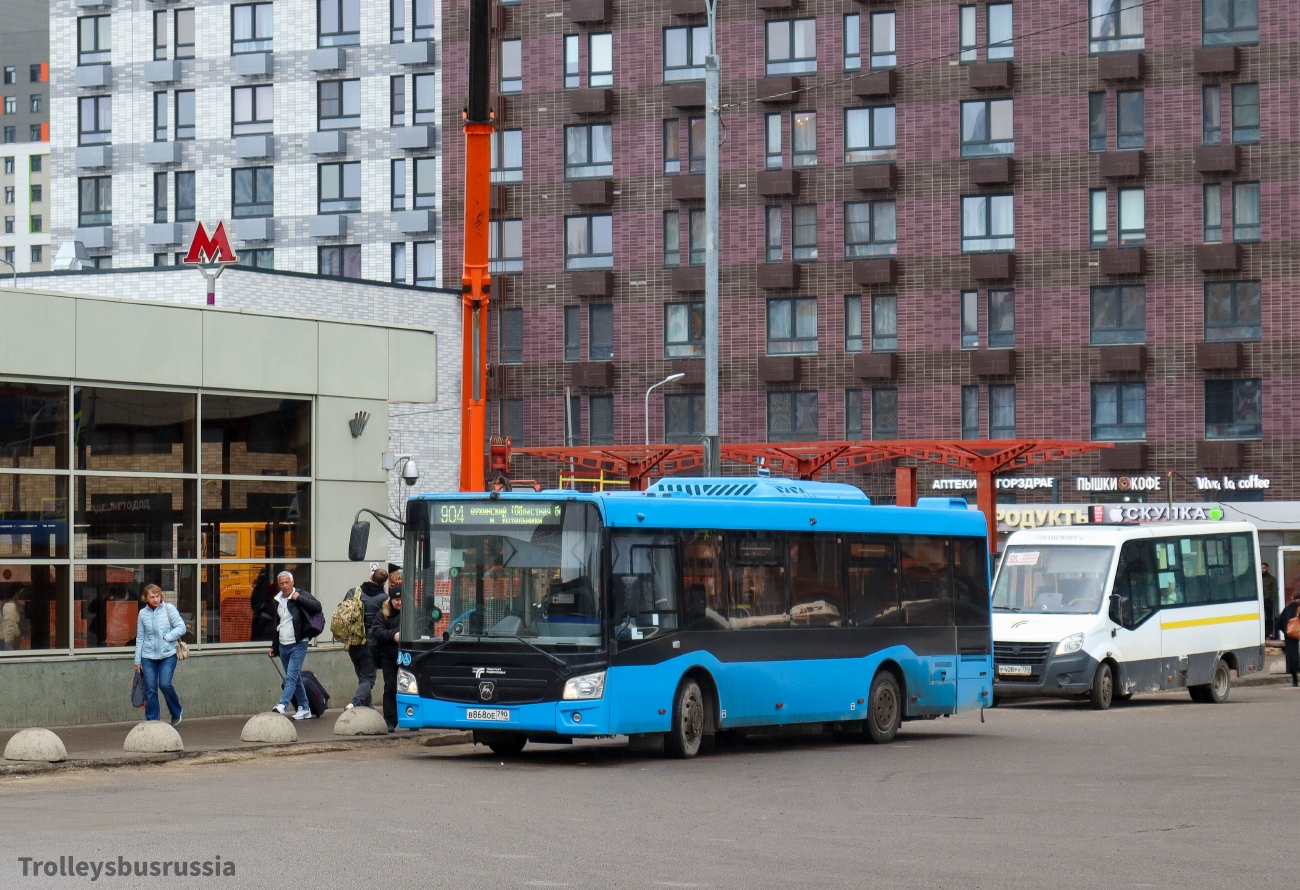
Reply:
x=502, y=744
x=884, y=709
x=686, y=735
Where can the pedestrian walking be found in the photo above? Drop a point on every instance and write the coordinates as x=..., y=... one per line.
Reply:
x=294, y=609
x=1290, y=644
x=386, y=632
x=157, y=629
x=371, y=595
x=1270, y=603
x=395, y=579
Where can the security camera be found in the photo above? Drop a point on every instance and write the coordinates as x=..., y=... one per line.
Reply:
x=410, y=472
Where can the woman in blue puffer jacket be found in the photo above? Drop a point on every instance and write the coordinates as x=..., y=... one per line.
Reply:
x=156, y=632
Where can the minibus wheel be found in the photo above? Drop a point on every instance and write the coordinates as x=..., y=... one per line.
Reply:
x=1103, y=687
x=686, y=735
x=884, y=709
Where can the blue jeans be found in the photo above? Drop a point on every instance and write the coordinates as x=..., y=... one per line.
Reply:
x=158, y=675
x=292, y=658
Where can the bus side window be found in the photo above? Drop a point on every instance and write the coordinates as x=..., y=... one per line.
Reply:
x=704, y=600
x=927, y=589
x=645, y=582
x=816, y=597
x=1135, y=583
x=1246, y=582
x=970, y=581
x=871, y=572
x=759, y=597
x=1172, y=590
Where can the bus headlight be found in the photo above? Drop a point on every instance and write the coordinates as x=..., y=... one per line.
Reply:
x=1072, y=643
x=406, y=683
x=588, y=686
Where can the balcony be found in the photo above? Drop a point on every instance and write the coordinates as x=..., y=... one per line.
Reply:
x=1123, y=261
x=417, y=138
x=993, y=363
x=592, y=283
x=592, y=192
x=1121, y=66
x=686, y=95
x=1217, y=158
x=685, y=8
x=992, y=171
x=993, y=266
x=779, y=276
x=876, y=365
x=1126, y=359
x=1125, y=456
x=261, y=228
x=1122, y=164
x=92, y=76
x=1216, y=60
x=330, y=58
x=328, y=142
x=688, y=279
x=693, y=368
x=778, y=183
x=96, y=237
x=688, y=188
x=94, y=156
x=414, y=222
x=776, y=5
x=1218, y=257
x=1219, y=455
x=877, y=85
x=249, y=148
x=875, y=177
x=162, y=234
x=991, y=75
x=253, y=65
x=590, y=12
x=417, y=52
x=867, y=273
x=591, y=101
x=162, y=152
x=329, y=225
x=593, y=375
x=162, y=72
x=777, y=90
x=1220, y=356
x=779, y=369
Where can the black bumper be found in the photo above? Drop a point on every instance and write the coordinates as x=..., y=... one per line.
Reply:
x=1060, y=675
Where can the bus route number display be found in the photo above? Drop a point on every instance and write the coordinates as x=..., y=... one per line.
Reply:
x=498, y=513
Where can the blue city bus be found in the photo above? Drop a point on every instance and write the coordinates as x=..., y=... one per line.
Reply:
x=696, y=608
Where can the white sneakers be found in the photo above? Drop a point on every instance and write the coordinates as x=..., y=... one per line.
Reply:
x=302, y=714
x=349, y=706
x=279, y=709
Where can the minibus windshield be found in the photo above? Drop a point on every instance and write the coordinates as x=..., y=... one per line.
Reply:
x=1056, y=579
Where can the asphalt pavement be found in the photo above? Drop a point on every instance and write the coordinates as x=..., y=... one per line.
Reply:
x=1160, y=793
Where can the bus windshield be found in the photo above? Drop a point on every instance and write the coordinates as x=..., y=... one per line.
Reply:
x=488, y=570
x=1056, y=579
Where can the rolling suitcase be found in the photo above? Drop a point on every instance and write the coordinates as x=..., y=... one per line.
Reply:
x=318, y=700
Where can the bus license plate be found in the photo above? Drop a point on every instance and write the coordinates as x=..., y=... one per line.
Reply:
x=498, y=715
x=1014, y=670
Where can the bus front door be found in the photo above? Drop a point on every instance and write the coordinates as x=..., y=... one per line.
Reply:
x=1136, y=609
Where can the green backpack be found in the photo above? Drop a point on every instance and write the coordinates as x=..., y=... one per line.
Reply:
x=348, y=623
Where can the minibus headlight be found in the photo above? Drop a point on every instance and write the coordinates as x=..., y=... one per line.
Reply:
x=587, y=686
x=406, y=683
x=1072, y=643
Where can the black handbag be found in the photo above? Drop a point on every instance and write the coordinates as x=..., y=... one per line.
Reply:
x=137, y=690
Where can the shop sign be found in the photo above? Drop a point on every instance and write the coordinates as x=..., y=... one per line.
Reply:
x=1117, y=483
x=1099, y=514
x=1004, y=483
x=1042, y=517
x=1252, y=482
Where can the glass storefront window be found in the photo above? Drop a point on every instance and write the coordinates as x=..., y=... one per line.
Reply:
x=33, y=426
x=256, y=437
x=134, y=430
x=33, y=516
x=239, y=600
x=107, y=600
x=134, y=517
x=33, y=607
x=256, y=518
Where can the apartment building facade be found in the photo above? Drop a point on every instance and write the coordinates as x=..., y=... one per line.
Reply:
x=938, y=220
x=24, y=136
x=310, y=126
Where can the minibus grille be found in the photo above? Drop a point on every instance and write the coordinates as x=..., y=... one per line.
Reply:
x=1021, y=653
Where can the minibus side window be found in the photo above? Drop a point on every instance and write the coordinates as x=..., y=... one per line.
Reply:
x=1135, y=583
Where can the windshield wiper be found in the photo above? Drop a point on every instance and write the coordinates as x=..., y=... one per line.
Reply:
x=1007, y=608
x=555, y=659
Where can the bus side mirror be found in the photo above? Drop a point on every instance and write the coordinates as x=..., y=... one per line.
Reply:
x=358, y=538
x=1116, y=610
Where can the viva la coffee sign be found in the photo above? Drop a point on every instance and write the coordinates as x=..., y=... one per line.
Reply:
x=1252, y=482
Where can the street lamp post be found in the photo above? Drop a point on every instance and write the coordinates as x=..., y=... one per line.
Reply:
x=671, y=378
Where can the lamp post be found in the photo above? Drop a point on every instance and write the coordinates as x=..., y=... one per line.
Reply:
x=671, y=378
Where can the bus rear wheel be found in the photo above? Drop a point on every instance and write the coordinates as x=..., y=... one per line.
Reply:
x=686, y=735
x=884, y=710
x=1217, y=690
x=502, y=744
x=1103, y=688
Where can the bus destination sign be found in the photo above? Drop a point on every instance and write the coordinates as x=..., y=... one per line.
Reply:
x=504, y=513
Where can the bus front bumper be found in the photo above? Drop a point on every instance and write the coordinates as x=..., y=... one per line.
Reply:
x=575, y=718
x=1060, y=675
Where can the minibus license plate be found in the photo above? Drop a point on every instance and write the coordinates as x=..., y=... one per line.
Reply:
x=499, y=715
x=1014, y=670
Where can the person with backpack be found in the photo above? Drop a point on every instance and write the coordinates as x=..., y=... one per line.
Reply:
x=349, y=624
x=301, y=618
x=157, y=628
x=385, y=630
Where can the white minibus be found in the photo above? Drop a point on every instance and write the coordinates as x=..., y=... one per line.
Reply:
x=1106, y=612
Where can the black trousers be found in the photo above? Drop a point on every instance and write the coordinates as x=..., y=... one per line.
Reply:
x=1270, y=619
x=363, y=664
x=390, y=691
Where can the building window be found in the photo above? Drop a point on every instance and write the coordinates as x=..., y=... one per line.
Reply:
x=506, y=246
x=870, y=229
x=772, y=140
x=772, y=222
x=792, y=326
x=9, y=165
x=251, y=28
x=853, y=323
x=695, y=145
x=252, y=110
x=36, y=253
x=253, y=192
x=10, y=105
x=1000, y=28
x=35, y=103
x=11, y=74
x=1229, y=22
x=426, y=99
x=683, y=330
x=261, y=258
x=512, y=420
x=396, y=21
x=988, y=223
x=600, y=333
x=512, y=336
x=792, y=46
x=572, y=63
x=1211, y=114
x=34, y=73
x=160, y=198
x=508, y=156
x=1119, y=412
x=1098, y=226
x=10, y=134
x=600, y=413
x=9, y=225
x=1118, y=315
x=426, y=264
x=1002, y=319
x=426, y=183
x=185, y=34
x=9, y=255
x=884, y=413
x=803, y=232
x=791, y=416
x=339, y=188
x=853, y=415
x=342, y=261
x=338, y=23
x=573, y=422
x=1232, y=311
x=684, y=52
x=95, y=120
x=573, y=333
x=970, y=319
x=672, y=239
x=397, y=178
x=338, y=105
x=185, y=201
x=1097, y=121
x=34, y=133
x=1132, y=217
x=37, y=224
x=1116, y=26
x=161, y=35
x=853, y=42
x=884, y=46
x=9, y=194
x=397, y=100
x=1234, y=409
x=512, y=66
x=967, y=41
x=1130, y=119
x=1245, y=211
x=987, y=128
x=884, y=323
x=970, y=412
x=397, y=264
x=184, y=114
x=1212, y=213
x=589, y=151
x=36, y=195
x=94, y=201
x=683, y=417
x=94, y=42
x=600, y=60
x=672, y=147
x=161, y=104
x=589, y=242
x=869, y=135
x=422, y=20
x=803, y=139
x=695, y=234
x=1245, y=113
x=1002, y=412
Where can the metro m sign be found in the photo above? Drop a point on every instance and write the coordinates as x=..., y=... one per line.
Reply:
x=210, y=250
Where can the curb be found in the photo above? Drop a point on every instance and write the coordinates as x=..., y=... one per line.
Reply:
x=232, y=755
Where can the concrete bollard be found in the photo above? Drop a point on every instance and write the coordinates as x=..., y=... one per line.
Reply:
x=36, y=744
x=360, y=721
x=269, y=727
x=153, y=737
